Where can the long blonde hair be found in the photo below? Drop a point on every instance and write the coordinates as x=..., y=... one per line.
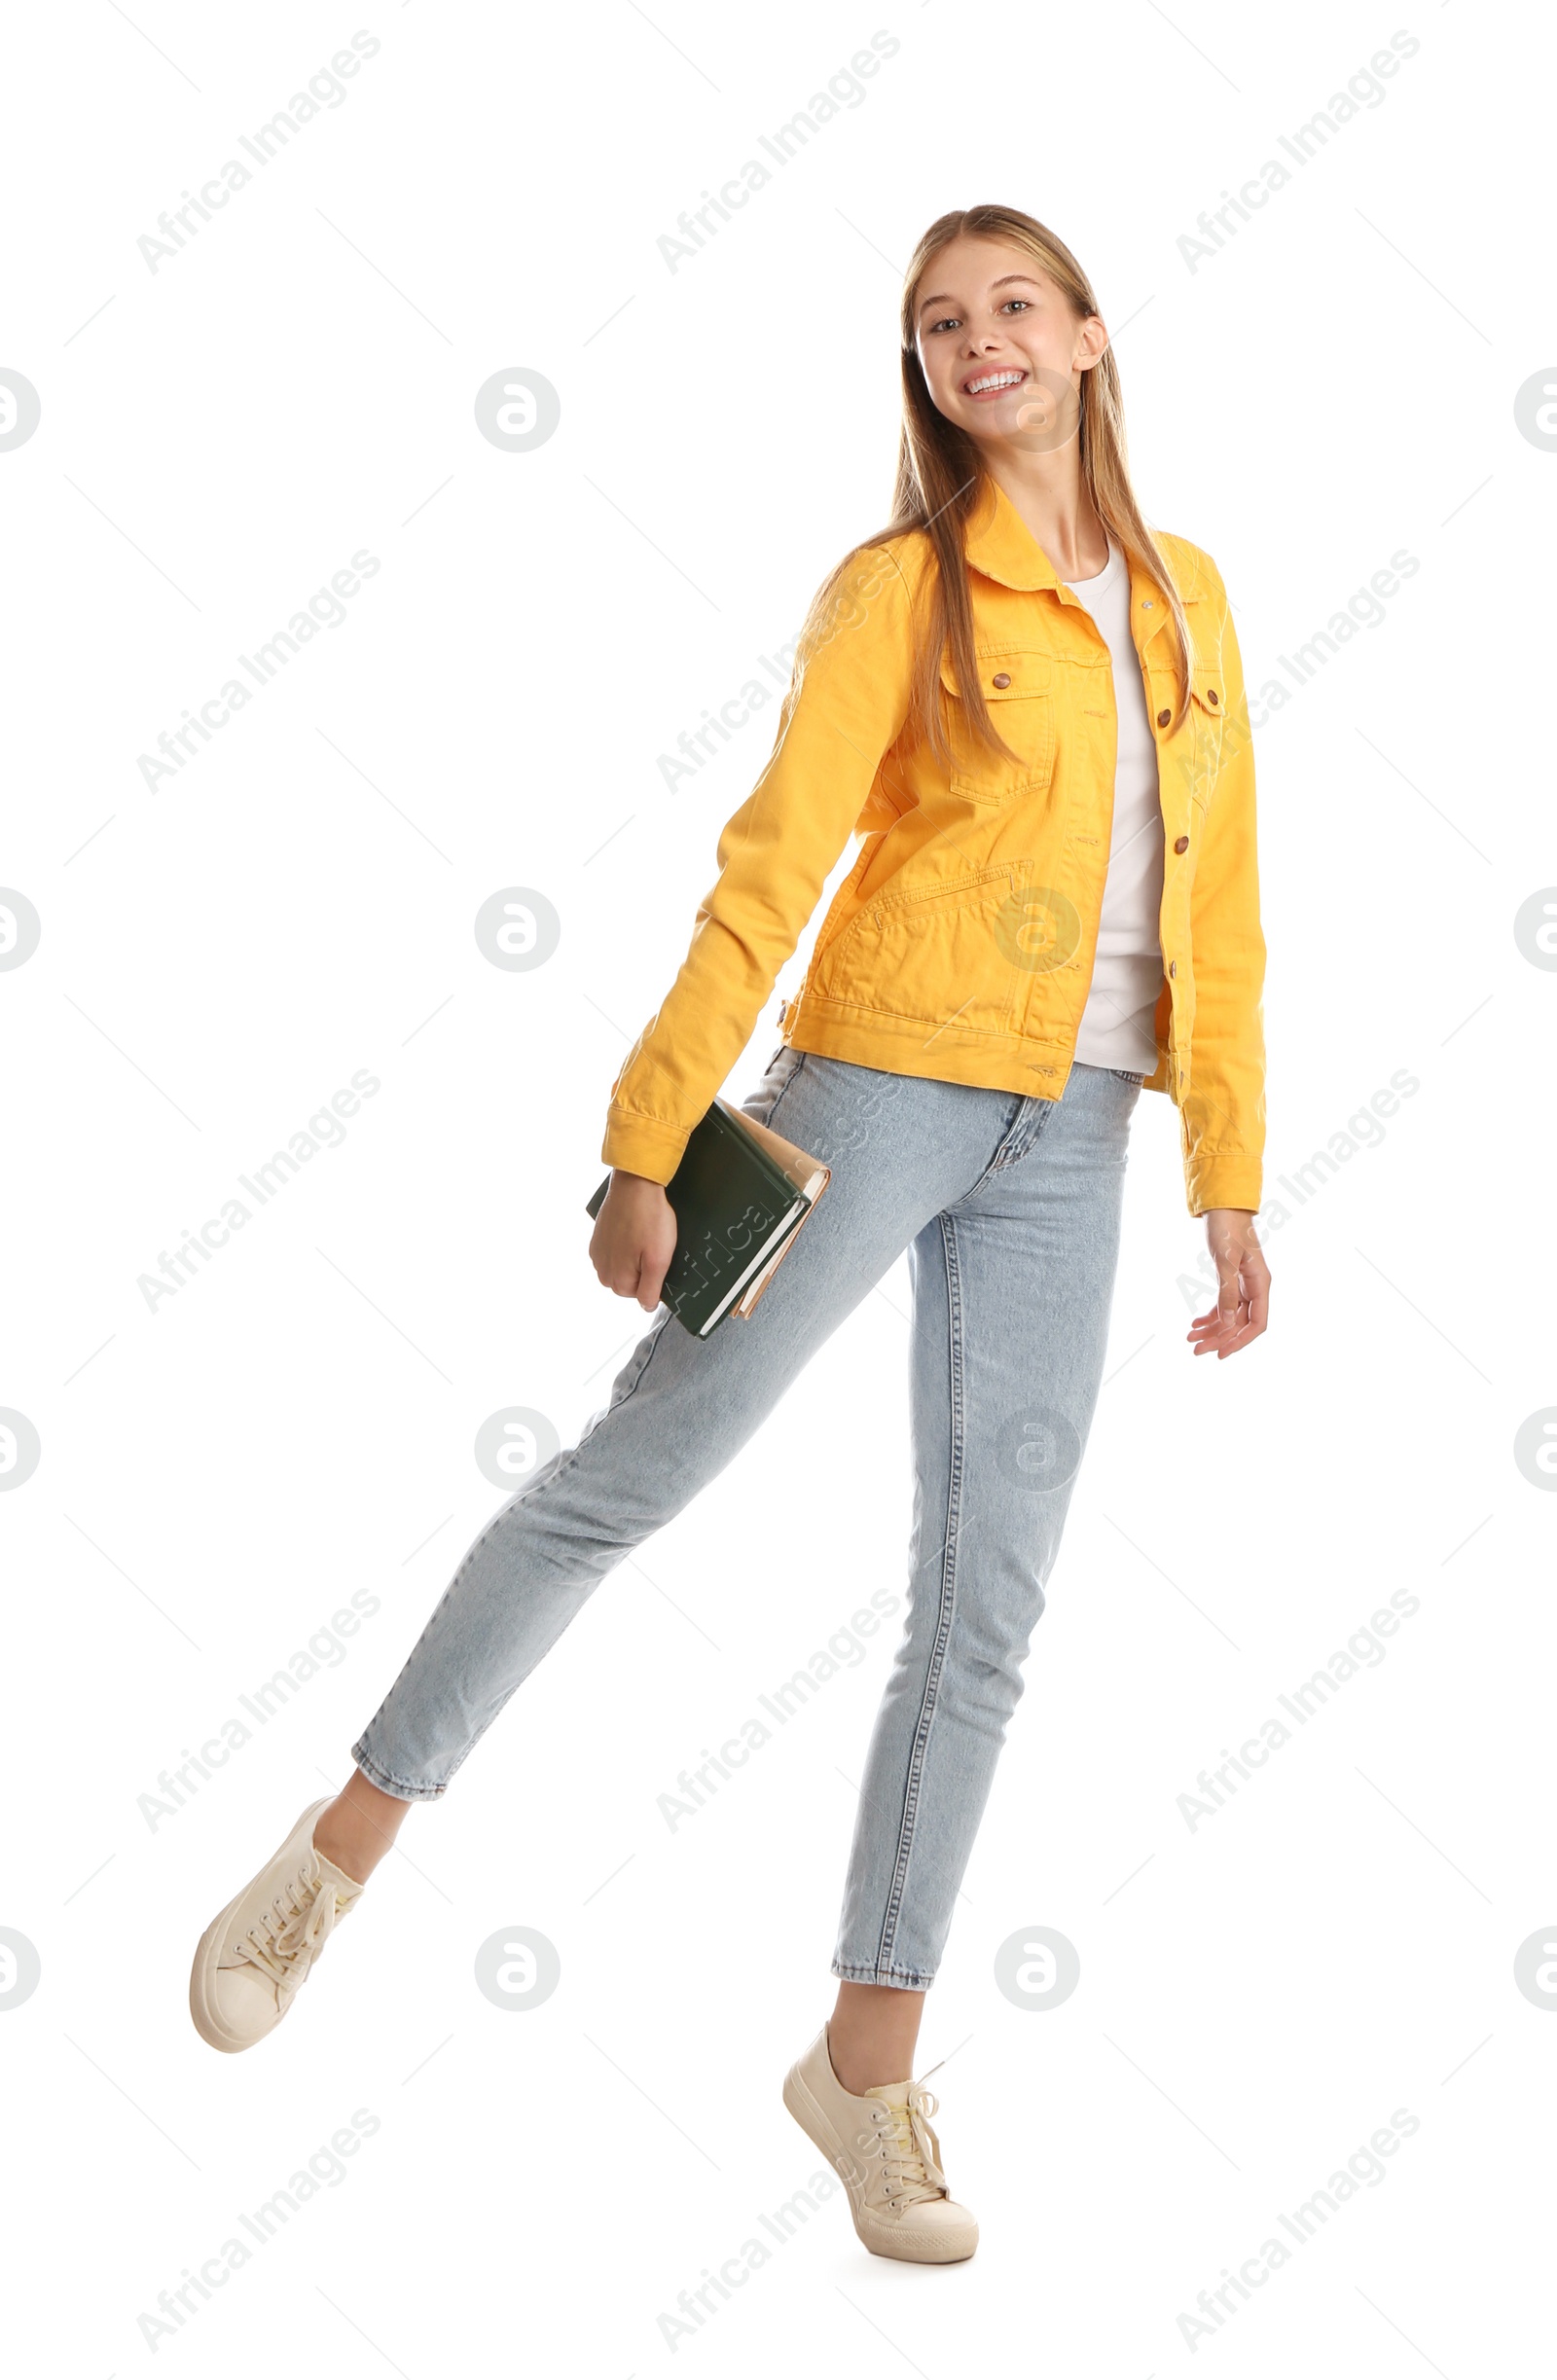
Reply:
x=940, y=482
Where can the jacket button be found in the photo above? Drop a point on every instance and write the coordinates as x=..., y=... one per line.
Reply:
x=1004, y=679
x=1182, y=844
x=1162, y=717
x=1172, y=966
x=1212, y=697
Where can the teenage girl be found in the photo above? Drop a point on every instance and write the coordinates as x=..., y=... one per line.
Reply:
x=1031, y=709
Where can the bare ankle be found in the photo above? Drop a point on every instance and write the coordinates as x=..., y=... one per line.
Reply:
x=359, y=1827
x=861, y=2071
x=871, y=2036
x=851, y=2073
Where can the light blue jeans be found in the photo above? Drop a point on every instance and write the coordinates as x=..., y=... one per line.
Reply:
x=1008, y=1207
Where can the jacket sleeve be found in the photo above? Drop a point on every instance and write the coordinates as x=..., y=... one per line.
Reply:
x=1222, y=1114
x=847, y=705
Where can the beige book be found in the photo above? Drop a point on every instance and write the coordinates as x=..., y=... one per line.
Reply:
x=807, y=1175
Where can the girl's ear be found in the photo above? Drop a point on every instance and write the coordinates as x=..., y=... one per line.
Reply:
x=1092, y=341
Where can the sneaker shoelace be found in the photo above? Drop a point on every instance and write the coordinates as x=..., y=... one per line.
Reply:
x=287, y=1940
x=911, y=2151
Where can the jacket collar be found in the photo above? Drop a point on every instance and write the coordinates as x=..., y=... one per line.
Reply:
x=1001, y=546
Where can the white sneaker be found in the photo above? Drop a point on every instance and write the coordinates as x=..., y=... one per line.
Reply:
x=256, y=1957
x=889, y=2159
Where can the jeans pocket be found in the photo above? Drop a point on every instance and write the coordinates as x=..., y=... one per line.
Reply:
x=775, y=1080
x=1123, y=1074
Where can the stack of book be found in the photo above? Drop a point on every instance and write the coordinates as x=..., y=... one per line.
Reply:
x=740, y=1194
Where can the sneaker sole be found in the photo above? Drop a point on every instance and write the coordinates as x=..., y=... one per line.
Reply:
x=907, y=2248
x=207, y=2024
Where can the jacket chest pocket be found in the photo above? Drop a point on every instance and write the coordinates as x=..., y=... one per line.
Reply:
x=1018, y=688
x=1198, y=744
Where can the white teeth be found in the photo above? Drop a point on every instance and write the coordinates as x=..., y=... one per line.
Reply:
x=995, y=380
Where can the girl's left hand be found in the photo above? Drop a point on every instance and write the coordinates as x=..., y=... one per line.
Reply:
x=1243, y=1294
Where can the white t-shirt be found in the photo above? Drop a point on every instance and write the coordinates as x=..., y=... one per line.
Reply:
x=1116, y=1027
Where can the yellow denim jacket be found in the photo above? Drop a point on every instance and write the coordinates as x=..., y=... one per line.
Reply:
x=961, y=944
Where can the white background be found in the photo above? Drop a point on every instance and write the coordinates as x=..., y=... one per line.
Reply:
x=1258, y=1995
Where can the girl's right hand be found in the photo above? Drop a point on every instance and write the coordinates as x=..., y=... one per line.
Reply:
x=634, y=1237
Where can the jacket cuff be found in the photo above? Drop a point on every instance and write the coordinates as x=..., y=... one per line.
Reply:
x=1226, y=1178
x=642, y=1145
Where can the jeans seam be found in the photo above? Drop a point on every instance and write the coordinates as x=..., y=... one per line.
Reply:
x=903, y=1978
x=1012, y=1148
x=947, y=1613
x=656, y=1332
x=800, y=1057
x=1044, y=1109
x=650, y=1345
x=386, y=1781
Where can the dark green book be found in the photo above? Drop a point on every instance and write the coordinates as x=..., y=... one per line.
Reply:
x=740, y=1194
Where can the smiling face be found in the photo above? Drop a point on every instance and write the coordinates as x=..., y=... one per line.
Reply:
x=1002, y=350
